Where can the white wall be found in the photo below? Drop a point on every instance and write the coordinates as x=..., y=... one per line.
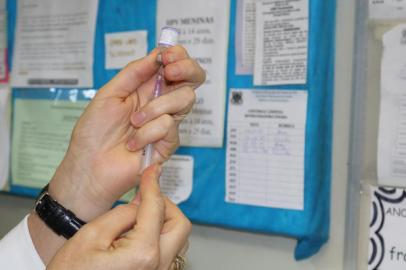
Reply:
x=213, y=248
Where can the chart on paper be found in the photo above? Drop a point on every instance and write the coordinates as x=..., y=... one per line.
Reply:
x=265, y=148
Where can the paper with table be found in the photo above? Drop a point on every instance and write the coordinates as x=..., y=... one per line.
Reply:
x=54, y=43
x=392, y=121
x=204, y=33
x=281, y=42
x=265, y=148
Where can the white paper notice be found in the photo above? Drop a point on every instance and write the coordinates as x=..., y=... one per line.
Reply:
x=54, y=43
x=245, y=37
x=3, y=47
x=204, y=33
x=392, y=122
x=4, y=135
x=281, y=42
x=176, y=181
x=387, y=9
x=387, y=246
x=265, y=148
x=124, y=47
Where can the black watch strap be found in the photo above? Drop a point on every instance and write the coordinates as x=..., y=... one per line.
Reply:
x=61, y=220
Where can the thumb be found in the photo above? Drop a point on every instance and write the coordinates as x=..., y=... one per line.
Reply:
x=131, y=77
x=108, y=227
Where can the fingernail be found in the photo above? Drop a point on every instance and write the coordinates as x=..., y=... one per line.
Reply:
x=131, y=145
x=174, y=71
x=138, y=117
x=159, y=58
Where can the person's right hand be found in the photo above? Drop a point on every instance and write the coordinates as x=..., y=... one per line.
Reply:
x=147, y=234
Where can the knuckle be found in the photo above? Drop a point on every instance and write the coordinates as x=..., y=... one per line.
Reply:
x=176, y=142
x=168, y=121
x=198, y=67
x=191, y=95
x=204, y=75
x=186, y=225
x=191, y=64
x=148, y=258
x=153, y=110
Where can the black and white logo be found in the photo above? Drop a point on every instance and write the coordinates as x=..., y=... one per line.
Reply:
x=236, y=98
x=388, y=208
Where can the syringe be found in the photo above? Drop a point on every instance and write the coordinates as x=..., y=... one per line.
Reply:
x=169, y=37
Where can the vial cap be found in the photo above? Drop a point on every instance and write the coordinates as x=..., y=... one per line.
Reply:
x=169, y=36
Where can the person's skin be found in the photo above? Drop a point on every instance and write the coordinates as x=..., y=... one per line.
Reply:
x=146, y=234
x=104, y=158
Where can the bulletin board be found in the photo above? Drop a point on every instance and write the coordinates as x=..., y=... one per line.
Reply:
x=207, y=203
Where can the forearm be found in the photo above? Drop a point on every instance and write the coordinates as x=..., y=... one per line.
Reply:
x=46, y=242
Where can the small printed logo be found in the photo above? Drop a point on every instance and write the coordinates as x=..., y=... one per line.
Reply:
x=236, y=98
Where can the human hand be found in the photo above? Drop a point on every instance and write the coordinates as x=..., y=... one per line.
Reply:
x=147, y=234
x=104, y=157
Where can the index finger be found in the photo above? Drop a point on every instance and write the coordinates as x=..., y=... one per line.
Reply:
x=151, y=210
x=174, y=218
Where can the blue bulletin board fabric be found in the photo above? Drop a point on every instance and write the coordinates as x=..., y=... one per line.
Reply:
x=207, y=203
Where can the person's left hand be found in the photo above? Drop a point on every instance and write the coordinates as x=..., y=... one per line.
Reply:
x=147, y=234
x=104, y=157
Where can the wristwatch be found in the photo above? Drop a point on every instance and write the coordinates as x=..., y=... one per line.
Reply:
x=61, y=220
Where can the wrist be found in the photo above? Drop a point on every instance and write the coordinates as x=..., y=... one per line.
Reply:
x=72, y=188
